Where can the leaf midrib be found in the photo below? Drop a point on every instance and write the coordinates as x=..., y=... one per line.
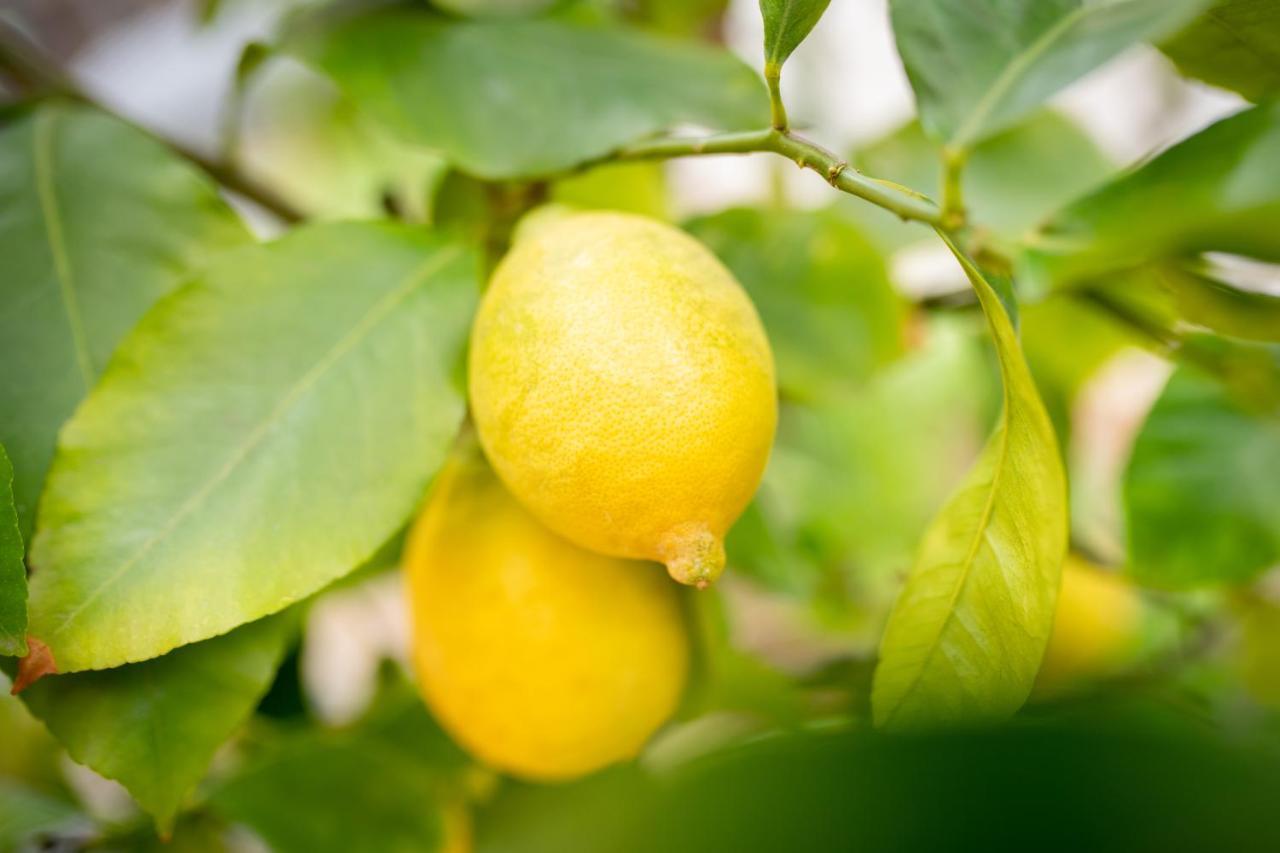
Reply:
x=259, y=433
x=41, y=154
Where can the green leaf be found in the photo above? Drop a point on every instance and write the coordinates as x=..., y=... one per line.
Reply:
x=1200, y=294
x=1259, y=650
x=853, y=481
x=13, y=571
x=965, y=638
x=527, y=97
x=99, y=221
x=1216, y=191
x=1013, y=180
x=259, y=434
x=322, y=153
x=155, y=726
x=1234, y=45
x=786, y=24
x=380, y=785
x=1202, y=491
x=27, y=814
x=822, y=289
x=977, y=66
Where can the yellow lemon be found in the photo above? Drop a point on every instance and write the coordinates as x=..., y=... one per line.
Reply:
x=623, y=388
x=1097, y=624
x=540, y=658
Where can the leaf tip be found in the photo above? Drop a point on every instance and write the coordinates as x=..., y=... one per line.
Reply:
x=36, y=665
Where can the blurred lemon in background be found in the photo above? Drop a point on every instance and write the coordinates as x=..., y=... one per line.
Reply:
x=623, y=388
x=1097, y=627
x=540, y=658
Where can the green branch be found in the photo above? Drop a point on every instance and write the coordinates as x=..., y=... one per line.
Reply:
x=33, y=69
x=906, y=204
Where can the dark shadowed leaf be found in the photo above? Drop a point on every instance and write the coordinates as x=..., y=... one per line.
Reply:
x=259, y=434
x=527, y=97
x=1234, y=45
x=977, y=66
x=13, y=571
x=97, y=221
x=155, y=726
x=967, y=633
x=822, y=289
x=1202, y=492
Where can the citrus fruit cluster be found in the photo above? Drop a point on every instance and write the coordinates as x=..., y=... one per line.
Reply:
x=622, y=389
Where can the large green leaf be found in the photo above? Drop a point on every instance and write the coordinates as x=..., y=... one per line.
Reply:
x=1235, y=45
x=1013, y=180
x=1218, y=190
x=822, y=289
x=505, y=99
x=260, y=433
x=967, y=633
x=155, y=726
x=96, y=222
x=1202, y=492
x=977, y=66
x=13, y=571
x=786, y=23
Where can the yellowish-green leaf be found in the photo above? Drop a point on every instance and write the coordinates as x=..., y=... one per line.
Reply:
x=965, y=638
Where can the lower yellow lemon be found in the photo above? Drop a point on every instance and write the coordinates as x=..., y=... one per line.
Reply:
x=1097, y=625
x=540, y=658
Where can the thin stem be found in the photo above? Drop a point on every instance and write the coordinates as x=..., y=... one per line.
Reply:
x=29, y=64
x=953, y=209
x=777, y=112
x=907, y=204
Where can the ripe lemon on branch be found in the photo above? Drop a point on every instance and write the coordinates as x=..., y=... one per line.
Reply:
x=540, y=658
x=623, y=388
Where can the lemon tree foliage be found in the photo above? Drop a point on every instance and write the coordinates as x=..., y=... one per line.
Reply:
x=155, y=726
x=1012, y=181
x=1235, y=44
x=13, y=571
x=966, y=635
x=822, y=289
x=206, y=433
x=527, y=97
x=855, y=479
x=75, y=281
x=1202, y=490
x=226, y=465
x=786, y=23
x=391, y=781
x=978, y=67
x=1218, y=191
